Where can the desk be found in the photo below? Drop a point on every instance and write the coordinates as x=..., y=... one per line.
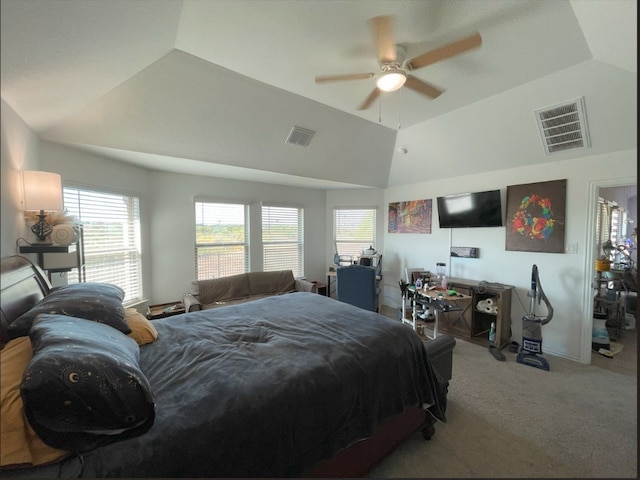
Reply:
x=437, y=299
x=332, y=274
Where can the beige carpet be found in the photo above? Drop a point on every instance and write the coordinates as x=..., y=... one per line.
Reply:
x=515, y=421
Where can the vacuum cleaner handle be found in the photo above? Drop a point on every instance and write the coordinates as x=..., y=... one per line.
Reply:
x=535, y=284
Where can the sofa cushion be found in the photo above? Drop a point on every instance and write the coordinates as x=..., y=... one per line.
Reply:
x=223, y=288
x=271, y=283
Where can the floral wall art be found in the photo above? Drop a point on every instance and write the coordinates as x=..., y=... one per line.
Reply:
x=410, y=217
x=536, y=216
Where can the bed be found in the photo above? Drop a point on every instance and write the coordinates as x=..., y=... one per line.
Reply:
x=287, y=386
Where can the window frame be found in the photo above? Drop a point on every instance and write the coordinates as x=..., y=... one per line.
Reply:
x=131, y=281
x=221, y=271
x=297, y=266
x=353, y=248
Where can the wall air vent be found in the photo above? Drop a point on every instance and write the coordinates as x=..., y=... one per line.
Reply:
x=299, y=136
x=563, y=127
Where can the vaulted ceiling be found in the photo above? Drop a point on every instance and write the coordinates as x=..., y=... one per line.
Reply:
x=213, y=87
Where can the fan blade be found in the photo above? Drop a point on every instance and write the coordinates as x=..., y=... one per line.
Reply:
x=339, y=78
x=422, y=87
x=372, y=96
x=383, y=38
x=447, y=51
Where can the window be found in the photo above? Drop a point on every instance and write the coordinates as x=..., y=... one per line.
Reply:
x=222, y=239
x=283, y=239
x=354, y=230
x=610, y=224
x=111, y=238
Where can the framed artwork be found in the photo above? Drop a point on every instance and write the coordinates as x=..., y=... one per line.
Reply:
x=536, y=216
x=410, y=217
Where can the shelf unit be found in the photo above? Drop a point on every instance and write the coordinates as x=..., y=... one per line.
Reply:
x=472, y=324
x=55, y=258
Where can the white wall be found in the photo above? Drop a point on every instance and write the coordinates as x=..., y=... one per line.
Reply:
x=18, y=151
x=563, y=276
x=168, y=217
x=173, y=219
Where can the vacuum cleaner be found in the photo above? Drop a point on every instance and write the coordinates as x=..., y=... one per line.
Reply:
x=531, y=349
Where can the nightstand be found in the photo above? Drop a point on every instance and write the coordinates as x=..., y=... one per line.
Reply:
x=163, y=310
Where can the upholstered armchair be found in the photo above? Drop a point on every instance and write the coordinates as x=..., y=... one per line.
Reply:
x=358, y=285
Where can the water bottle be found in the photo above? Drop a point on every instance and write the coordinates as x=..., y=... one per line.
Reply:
x=492, y=333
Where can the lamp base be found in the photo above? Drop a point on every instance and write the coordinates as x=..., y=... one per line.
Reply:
x=41, y=229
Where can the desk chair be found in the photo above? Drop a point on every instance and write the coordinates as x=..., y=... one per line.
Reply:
x=358, y=285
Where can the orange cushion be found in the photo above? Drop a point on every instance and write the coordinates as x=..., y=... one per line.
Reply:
x=142, y=330
x=19, y=445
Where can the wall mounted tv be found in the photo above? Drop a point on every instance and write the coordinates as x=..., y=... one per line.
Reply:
x=478, y=209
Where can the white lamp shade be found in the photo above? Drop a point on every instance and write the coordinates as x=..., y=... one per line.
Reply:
x=42, y=191
x=391, y=80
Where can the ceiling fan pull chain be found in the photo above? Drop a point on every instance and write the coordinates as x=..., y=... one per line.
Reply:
x=399, y=109
x=380, y=109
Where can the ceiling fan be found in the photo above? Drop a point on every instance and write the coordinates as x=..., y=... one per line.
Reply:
x=393, y=67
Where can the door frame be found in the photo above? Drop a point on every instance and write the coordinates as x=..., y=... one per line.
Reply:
x=590, y=258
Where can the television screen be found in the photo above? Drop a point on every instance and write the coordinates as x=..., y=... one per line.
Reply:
x=478, y=209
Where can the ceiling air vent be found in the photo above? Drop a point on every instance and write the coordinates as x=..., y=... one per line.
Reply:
x=563, y=127
x=299, y=136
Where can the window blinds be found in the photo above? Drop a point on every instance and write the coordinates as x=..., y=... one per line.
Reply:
x=283, y=239
x=111, y=227
x=354, y=230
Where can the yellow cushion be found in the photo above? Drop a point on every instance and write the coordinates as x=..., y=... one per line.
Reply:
x=19, y=445
x=142, y=330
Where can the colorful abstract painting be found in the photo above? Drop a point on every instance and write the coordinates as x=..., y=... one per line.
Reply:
x=536, y=216
x=410, y=217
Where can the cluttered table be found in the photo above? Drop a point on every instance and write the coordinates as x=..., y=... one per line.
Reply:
x=437, y=298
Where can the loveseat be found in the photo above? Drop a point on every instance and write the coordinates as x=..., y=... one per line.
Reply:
x=243, y=287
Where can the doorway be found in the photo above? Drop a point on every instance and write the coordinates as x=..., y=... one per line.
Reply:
x=622, y=188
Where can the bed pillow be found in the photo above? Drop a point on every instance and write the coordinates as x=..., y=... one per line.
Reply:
x=100, y=302
x=84, y=387
x=142, y=330
x=19, y=444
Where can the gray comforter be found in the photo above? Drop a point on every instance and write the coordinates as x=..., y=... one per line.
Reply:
x=266, y=389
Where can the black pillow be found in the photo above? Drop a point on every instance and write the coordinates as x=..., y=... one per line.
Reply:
x=100, y=302
x=83, y=388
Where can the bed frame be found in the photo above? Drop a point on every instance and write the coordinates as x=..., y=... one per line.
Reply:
x=23, y=284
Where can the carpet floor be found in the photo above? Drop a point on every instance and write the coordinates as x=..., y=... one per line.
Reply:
x=508, y=420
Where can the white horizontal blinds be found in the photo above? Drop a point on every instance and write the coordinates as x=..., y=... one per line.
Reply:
x=618, y=216
x=354, y=230
x=603, y=225
x=222, y=239
x=283, y=239
x=111, y=234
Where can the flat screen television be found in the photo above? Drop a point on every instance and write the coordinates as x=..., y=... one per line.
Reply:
x=478, y=209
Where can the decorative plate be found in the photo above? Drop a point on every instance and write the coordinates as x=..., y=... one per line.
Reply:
x=64, y=235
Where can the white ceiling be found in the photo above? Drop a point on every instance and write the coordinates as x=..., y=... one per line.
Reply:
x=213, y=87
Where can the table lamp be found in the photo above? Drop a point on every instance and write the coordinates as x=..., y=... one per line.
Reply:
x=42, y=193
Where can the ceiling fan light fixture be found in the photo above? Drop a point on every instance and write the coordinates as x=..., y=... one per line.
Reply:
x=391, y=80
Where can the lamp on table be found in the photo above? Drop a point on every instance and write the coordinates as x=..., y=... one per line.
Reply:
x=42, y=193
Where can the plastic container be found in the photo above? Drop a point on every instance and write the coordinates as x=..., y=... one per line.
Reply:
x=600, y=334
x=492, y=333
